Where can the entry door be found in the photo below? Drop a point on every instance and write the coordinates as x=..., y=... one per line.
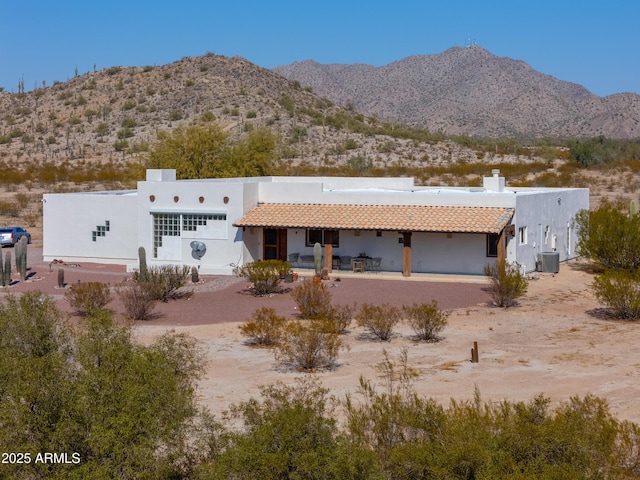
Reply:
x=275, y=244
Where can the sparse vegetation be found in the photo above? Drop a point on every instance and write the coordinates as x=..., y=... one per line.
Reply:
x=380, y=320
x=620, y=291
x=265, y=275
x=508, y=284
x=137, y=301
x=305, y=345
x=426, y=319
x=86, y=297
x=162, y=282
x=313, y=299
x=265, y=328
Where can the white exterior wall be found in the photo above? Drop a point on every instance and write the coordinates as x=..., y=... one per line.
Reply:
x=224, y=245
x=552, y=208
x=69, y=220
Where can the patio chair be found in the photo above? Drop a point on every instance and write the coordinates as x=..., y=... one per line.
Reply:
x=376, y=264
x=345, y=262
x=293, y=258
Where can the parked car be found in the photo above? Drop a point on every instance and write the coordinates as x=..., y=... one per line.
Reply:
x=11, y=235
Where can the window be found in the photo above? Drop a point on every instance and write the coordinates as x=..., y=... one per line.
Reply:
x=190, y=221
x=492, y=244
x=546, y=235
x=522, y=235
x=164, y=225
x=172, y=224
x=323, y=237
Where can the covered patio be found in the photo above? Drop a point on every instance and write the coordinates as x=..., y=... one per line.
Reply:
x=394, y=238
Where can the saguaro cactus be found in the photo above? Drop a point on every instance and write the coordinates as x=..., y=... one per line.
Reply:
x=143, y=271
x=60, y=277
x=7, y=269
x=317, y=258
x=633, y=208
x=21, y=257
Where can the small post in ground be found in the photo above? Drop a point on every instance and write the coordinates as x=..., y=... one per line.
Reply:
x=474, y=353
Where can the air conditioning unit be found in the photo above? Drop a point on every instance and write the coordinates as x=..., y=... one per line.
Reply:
x=548, y=262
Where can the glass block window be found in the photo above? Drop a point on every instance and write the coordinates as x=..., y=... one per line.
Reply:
x=173, y=224
x=164, y=224
x=190, y=221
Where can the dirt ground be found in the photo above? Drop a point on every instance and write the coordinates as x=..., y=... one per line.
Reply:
x=558, y=342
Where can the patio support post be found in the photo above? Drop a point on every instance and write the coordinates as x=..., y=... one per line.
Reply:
x=502, y=251
x=406, y=254
x=328, y=257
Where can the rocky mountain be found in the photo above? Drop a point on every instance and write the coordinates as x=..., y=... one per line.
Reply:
x=115, y=114
x=471, y=91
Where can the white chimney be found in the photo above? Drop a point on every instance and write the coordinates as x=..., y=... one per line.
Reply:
x=495, y=182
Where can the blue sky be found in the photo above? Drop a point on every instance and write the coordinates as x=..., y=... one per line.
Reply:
x=593, y=43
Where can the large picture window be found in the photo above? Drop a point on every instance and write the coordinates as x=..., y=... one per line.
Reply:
x=323, y=237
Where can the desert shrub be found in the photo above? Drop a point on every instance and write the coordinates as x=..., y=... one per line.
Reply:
x=378, y=319
x=396, y=423
x=163, y=281
x=88, y=296
x=507, y=283
x=620, y=291
x=265, y=275
x=336, y=319
x=305, y=346
x=290, y=433
x=265, y=328
x=609, y=236
x=137, y=300
x=10, y=209
x=426, y=319
x=313, y=299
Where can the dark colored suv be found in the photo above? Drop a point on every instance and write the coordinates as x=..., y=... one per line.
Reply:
x=11, y=235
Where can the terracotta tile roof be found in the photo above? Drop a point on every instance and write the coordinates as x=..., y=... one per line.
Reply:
x=415, y=218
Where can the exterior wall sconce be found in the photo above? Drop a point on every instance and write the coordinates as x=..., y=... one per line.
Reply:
x=176, y=199
x=357, y=233
x=379, y=233
x=225, y=200
x=152, y=198
x=449, y=235
x=201, y=199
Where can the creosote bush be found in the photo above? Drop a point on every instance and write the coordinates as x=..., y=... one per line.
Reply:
x=426, y=319
x=265, y=328
x=304, y=345
x=620, y=291
x=265, y=275
x=507, y=283
x=138, y=301
x=336, y=319
x=163, y=281
x=88, y=296
x=313, y=299
x=378, y=319
x=609, y=236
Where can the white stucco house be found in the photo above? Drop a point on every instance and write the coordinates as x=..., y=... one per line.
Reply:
x=394, y=225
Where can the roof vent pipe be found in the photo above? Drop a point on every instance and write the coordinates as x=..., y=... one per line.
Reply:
x=495, y=172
